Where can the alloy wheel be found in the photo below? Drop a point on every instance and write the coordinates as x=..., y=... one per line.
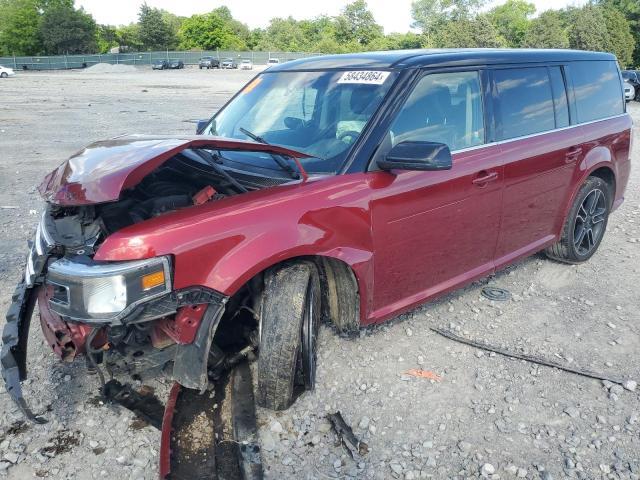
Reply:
x=590, y=221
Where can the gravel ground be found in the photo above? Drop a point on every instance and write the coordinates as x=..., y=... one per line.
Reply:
x=489, y=416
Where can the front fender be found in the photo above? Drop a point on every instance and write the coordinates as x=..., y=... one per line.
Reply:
x=221, y=245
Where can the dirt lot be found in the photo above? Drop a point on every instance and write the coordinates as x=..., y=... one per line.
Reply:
x=488, y=416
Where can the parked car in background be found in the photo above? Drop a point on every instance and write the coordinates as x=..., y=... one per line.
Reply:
x=208, y=62
x=160, y=65
x=633, y=78
x=246, y=64
x=629, y=91
x=228, y=63
x=6, y=72
x=348, y=188
x=273, y=61
x=176, y=64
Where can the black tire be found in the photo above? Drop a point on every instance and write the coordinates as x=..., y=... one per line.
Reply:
x=286, y=363
x=4, y=74
x=586, y=223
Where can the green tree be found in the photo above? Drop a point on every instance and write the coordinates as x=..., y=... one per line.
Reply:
x=129, y=36
x=430, y=15
x=65, y=30
x=356, y=24
x=588, y=30
x=401, y=41
x=174, y=22
x=155, y=33
x=207, y=32
x=284, y=34
x=19, y=32
x=631, y=10
x=621, y=41
x=512, y=20
x=546, y=31
x=475, y=33
x=106, y=38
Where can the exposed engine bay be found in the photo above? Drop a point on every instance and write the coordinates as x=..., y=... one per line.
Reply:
x=183, y=181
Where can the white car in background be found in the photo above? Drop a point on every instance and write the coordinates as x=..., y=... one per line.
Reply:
x=246, y=64
x=6, y=72
x=629, y=91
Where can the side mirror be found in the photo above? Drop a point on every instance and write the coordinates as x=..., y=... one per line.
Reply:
x=293, y=123
x=201, y=126
x=426, y=156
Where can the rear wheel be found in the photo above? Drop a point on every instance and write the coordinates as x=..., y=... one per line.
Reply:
x=289, y=323
x=586, y=223
x=4, y=74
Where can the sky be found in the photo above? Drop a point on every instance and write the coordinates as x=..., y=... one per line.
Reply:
x=393, y=15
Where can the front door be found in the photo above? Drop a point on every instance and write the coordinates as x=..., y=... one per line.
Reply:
x=433, y=231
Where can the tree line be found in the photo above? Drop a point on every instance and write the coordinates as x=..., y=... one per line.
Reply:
x=49, y=27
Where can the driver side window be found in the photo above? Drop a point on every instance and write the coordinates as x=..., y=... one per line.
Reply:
x=444, y=108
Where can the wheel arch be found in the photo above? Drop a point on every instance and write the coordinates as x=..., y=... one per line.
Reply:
x=343, y=284
x=607, y=174
x=600, y=165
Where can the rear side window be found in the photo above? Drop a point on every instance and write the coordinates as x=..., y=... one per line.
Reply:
x=525, y=102
x=597, y=90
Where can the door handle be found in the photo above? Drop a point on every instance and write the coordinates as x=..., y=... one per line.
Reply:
x=485, y=178
x=572, y=154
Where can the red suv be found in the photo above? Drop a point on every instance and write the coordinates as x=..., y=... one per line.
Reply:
x=346, y=188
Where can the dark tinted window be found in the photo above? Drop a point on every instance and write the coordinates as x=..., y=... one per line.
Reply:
x=444, y=108
x=559, y=97
x=526, y=102
x=597, y=90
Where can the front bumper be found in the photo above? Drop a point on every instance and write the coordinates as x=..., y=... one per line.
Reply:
x=67, y=334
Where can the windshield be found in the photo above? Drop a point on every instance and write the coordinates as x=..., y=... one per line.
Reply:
x=319, y=113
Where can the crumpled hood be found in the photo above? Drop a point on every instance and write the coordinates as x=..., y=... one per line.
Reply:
x=101, y=171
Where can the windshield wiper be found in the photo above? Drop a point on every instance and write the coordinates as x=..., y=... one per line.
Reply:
x=253, y=136
x=212, y=160
x=282, y=163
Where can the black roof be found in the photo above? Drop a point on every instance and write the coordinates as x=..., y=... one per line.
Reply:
x=400, y=59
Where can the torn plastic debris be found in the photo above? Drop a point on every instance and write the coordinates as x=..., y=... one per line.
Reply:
x=353, y=445
x=13, y=356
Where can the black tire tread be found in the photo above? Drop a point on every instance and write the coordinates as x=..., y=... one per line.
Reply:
x=282, y=313
x=563, y=250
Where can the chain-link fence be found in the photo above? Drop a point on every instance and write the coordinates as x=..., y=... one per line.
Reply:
x=61, y=62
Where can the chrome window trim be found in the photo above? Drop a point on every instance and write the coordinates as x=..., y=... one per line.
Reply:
x=45, y=233
x=537, y=134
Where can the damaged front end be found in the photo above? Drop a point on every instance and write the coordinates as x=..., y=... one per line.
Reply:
x=125, y=316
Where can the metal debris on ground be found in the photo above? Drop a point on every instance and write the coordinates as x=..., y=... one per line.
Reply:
x=143, y=403
x=346, y=436
x=529, y=358
x=417, y=372
x=496, y=293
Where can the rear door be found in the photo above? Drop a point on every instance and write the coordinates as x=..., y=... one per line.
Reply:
x=530, y=105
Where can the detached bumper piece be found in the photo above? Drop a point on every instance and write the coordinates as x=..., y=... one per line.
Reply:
x=13, y=356
x=200, y=440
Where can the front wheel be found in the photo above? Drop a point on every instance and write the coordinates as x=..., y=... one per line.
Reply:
x=586, y=223
x=4, y=74
x=289, y=323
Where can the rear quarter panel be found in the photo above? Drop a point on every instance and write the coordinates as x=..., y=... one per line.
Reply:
x=605, y=143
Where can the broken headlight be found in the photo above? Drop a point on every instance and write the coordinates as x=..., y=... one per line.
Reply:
x=95, y=292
